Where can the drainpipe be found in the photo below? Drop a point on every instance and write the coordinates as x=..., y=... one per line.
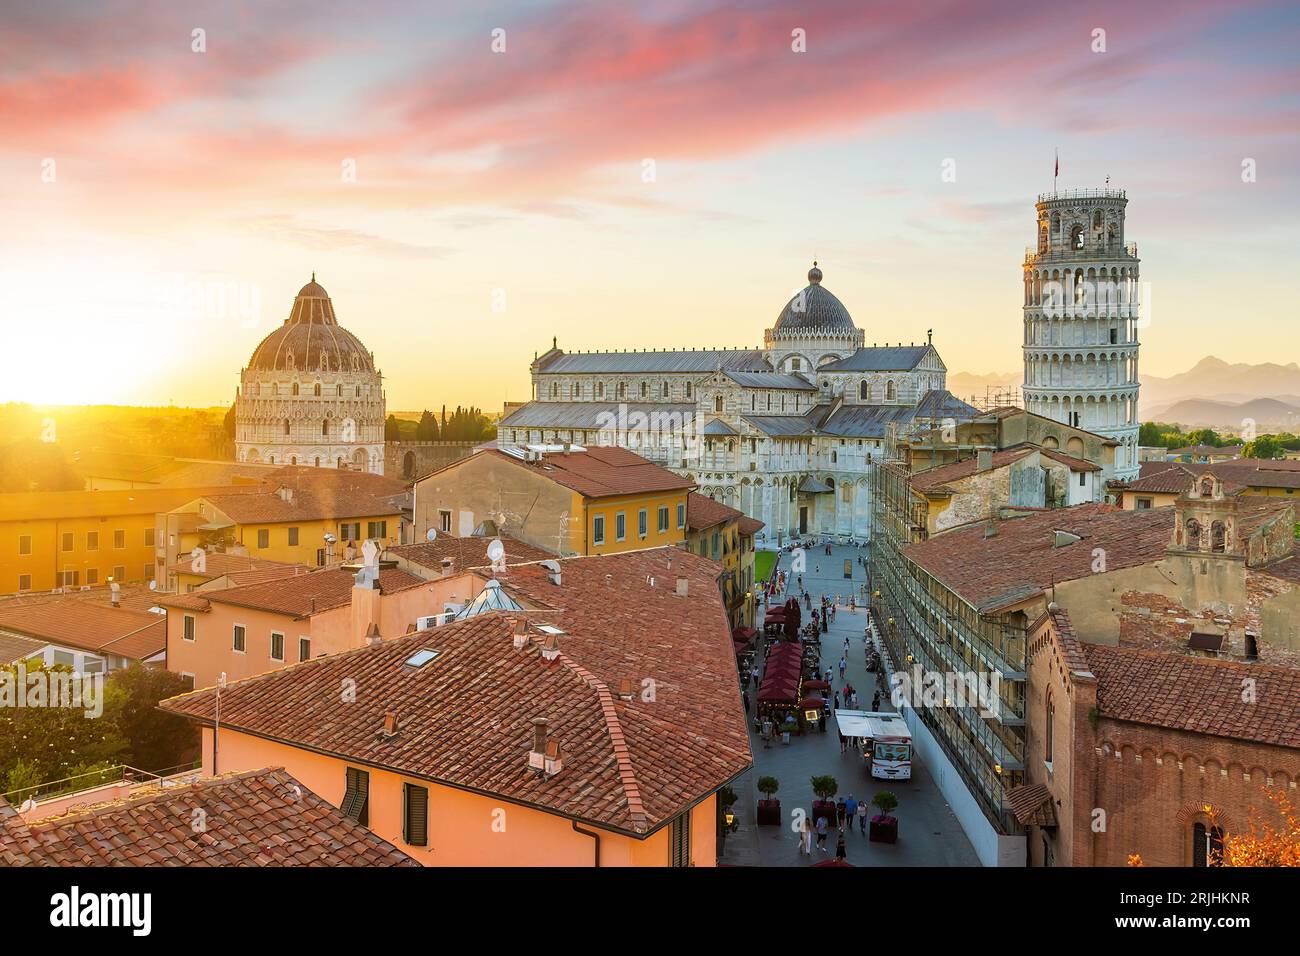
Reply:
x=595, y=836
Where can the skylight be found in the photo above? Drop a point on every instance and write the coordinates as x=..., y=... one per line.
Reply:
x=422, y=657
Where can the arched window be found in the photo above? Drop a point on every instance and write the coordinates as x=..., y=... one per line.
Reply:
x=688, y=389
x=645, y=390
x=665, y=388
x=1218, y=537
x=339, y=389
x=295, y=388
x=286, y=426
x=891, y=392
x=316, y=389
x=325, y=428
x=1207, y=845
x=1076, y=237
x=1193, y=535
x=600, y=389
x=622, y=389
x=1049, y=730
x=717, y=404
x=358, y=392
x=1096, y=219
x=317, y=461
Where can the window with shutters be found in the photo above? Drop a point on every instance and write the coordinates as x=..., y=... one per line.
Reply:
x=679, y=840
x=304, y=648
x=263, y=537
x=188, y=625
x=415, y=815
x=240, y=636
x=356, y=798
x=277, y=646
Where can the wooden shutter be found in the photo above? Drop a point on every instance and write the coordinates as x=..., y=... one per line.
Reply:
x=415, y=815
x=357, y=796
x=679, y=839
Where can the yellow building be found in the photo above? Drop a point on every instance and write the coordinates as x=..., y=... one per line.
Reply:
x=580, y=501
x=1161, y=485
x=725, y=535
x=306, y=522
x=79, y=538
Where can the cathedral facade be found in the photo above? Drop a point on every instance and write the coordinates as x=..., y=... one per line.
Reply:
x=786, y=433
x=311, y=394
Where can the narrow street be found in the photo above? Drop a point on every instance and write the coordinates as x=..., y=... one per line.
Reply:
x=929, y=834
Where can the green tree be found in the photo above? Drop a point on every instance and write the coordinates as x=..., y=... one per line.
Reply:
x=427, y=430
x=392, y=430
x=156, y=740
x=1265, y=446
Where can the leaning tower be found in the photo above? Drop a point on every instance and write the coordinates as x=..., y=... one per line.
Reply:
x=1081, y=318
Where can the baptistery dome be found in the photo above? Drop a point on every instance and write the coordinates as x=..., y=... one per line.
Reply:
x=311, y=338
x=310, y=394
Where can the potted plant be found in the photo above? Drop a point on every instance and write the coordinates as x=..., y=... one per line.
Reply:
x=789, y=728
x=825, y=787
x=884, y=828
x=769, y=810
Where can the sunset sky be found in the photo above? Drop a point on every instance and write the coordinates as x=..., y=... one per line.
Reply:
x=182, y=178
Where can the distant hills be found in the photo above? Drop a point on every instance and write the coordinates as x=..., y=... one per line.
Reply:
x=1211, y=394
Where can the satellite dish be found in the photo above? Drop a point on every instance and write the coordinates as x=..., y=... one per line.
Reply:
x=496, y=551
x=153, y=585
x=431, y=534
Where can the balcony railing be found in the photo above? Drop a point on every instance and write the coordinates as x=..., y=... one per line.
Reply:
x=1103, y=193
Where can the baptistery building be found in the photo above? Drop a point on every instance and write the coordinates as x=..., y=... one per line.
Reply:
x=786, y=433
x=311, y=394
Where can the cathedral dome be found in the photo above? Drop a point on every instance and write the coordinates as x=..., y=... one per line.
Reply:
x=311, y=339
x=814, y=309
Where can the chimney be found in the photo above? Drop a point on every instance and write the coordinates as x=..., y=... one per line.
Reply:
x=116, y=590
x=372, y=635
x=626, y=689
x=448, y=565
x=537, y=756
x=551, y=647
x=391, y=724
x=521, y=633
x=984, y=460
x=553, y=763
x=683, y=586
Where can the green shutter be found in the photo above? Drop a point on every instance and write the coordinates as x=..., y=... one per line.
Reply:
x=415, y=815
x=679, y=839
x=357, y=796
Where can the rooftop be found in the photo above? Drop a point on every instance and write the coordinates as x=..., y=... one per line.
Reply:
x=89, y=626
x=1197, y=694
x=602, y=471
x=465, y=553
x=932, y=480
x=629, y=763
x=259, y=818
x=299, y=596
x=1020, y=560
x=703, y=512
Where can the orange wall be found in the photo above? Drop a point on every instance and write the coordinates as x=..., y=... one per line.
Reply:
x=212, y=650
x=48, y=557
x=465, y=829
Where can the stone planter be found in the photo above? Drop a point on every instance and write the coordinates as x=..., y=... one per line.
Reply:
x=769, y=813
x=824, y=808
x=884, y=830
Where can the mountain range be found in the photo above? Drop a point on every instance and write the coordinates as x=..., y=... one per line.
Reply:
x=1212, y=393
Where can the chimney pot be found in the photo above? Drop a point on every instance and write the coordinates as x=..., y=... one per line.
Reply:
x=625, y=688
x=537, y=756
x=391, y=724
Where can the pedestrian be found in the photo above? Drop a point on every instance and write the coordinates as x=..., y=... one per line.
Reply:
x=844, y=743
x=744, y=695
x=850, y=810
x=833, y=606
x=843, y=665
x=841, y=813
x=805, y=838
x=875, y=701
x=822, y=826
x=837, y=700
x=841, y=851
x=862, y=816
x=846, y=644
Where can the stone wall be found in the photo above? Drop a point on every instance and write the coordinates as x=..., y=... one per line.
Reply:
x=415, y=459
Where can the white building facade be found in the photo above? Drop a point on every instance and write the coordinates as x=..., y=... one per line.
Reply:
x=1081, y=317
x=311, y=394
x=786, y=433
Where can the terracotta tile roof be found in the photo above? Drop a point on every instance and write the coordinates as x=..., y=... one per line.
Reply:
x=218, y=563
x=13, y=647
x=1197, y=694
x=603, y=471
x=1032, y=803
x=703, y=512
x=259, y=818
x=750, y=526
x=468, y=552
x=1020, y=560
x=136, y=635
x=316, y=503
x=1256, y=472
x=300, y=596
x=629, y=765
x=1172, y=479
x=933, y=480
